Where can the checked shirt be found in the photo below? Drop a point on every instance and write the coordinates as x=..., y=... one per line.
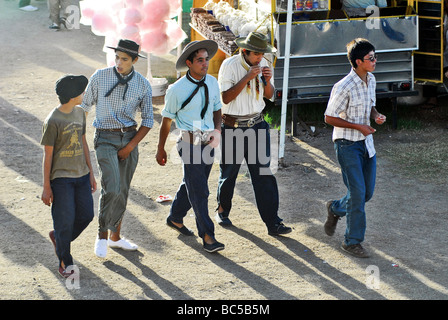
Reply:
x=352, y=99
x=114, y=112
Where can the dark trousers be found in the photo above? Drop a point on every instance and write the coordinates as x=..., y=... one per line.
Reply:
x=193, y=192
x=24, y=3
x=72, y=211
x=253, y=145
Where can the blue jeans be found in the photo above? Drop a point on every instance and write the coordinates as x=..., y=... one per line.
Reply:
x=72, y=211
x=193, y=192
x=116, y=176
x=254, y=145
x=358, y=174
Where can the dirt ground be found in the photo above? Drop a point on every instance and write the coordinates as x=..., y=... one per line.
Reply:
x=407, y=223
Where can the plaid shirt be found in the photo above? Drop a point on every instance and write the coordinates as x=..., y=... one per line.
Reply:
x=113, y=112
x=352, y=99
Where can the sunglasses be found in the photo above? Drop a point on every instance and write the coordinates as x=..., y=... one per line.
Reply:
x=371, y=58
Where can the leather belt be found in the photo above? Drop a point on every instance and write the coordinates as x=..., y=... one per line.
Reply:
x=194, y=137
x=126, y=129
x=241, y=122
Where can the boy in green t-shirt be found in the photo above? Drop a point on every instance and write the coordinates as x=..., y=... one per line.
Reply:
x=68, y=179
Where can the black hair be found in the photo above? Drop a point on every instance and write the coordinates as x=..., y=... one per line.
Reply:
x=63, y=100
x=133, y=56
x=193, y=54
x=357, y=49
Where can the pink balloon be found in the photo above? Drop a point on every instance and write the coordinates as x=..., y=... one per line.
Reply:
x=155, y=42
x=130, y=32
x=174, y=7
x=175, y=34
x=149, y=25
x=130, y=16
x=102, y=24
x=156, y=10
x=134, y=3
x=87, y=12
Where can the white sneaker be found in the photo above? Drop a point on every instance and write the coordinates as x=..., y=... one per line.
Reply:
x=100, y=248
x=123, y=243
x=29, y=8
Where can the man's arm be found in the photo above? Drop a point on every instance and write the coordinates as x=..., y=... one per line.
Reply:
x=338, y=122
x=269, y=88
x=378, y=117
x=165, y=127
x=123, y=153
x=230, y=94
x=85, y=146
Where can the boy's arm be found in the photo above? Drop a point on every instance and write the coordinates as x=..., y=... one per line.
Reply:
x=85, y=147
x=47, y=193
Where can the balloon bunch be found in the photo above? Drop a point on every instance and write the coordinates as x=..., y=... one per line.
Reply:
x=147, y=22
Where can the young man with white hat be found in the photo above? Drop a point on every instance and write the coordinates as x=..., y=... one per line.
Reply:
x=244, y=80
x=118, y=93
x=194, y=103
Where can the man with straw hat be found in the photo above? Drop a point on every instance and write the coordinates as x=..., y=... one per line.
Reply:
x=245, y=80
x=194, y=103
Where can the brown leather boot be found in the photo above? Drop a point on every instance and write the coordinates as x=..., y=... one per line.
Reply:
x=332, y=220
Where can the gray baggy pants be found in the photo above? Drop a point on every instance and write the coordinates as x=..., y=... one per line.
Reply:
x=58, y=7
x=116, y=177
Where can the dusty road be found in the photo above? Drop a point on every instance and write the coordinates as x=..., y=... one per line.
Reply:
x=407, y=218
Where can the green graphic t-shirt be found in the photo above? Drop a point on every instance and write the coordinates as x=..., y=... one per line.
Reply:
x=64, y=131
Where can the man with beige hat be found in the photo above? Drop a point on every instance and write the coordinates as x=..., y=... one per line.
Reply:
x=245, y=80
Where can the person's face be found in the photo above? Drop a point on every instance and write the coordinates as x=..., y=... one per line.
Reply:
x=124, y=63
x=253, y=58
x=78, y=99
x=368, y=62
x=199, y=66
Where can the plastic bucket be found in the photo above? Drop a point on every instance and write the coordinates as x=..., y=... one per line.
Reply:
x=159, y=86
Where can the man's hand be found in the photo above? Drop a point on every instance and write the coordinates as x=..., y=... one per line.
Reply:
x=124, y=153
x=214, y=138
x=366, y=129
x=161, y=157
x=380, y=118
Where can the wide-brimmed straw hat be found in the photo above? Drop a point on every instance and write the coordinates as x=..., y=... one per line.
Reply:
x=256, y=42
x=128, y=46
x=210, y=45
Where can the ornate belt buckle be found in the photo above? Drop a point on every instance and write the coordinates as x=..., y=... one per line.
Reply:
x=251, y=122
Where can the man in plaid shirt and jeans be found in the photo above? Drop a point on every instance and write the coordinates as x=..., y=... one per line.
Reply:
x=350, y=108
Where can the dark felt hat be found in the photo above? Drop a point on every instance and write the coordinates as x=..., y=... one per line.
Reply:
x=71, y=86
x=256, y=42
x=128, y=46
x=210, y=45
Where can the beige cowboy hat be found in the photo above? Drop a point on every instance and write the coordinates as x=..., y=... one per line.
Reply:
x=210, y=45
x=256, y=42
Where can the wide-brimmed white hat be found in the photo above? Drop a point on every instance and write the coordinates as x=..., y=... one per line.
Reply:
x=210, y=45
